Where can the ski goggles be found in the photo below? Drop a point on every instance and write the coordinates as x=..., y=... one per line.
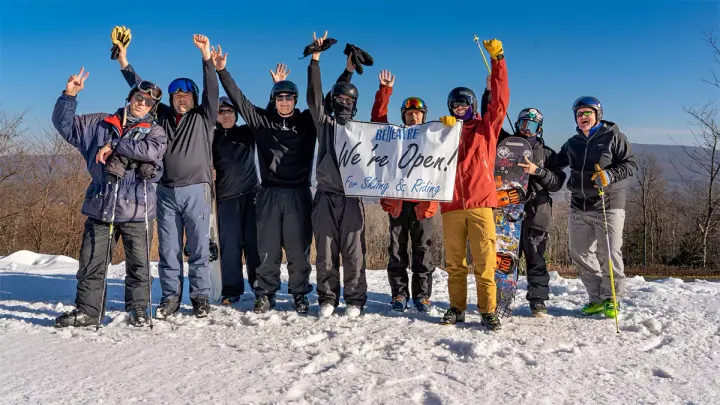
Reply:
x=414, y=103
x=459, y=103
x=184, y=85
x=150, y=89
x=529, y=126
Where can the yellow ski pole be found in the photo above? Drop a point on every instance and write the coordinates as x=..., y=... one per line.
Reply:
x=601, y=192
x=477, y=41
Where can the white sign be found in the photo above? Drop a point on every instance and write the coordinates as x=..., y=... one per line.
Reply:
x=389, y=161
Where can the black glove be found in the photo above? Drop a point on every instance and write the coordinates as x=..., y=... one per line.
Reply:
x=116, y=165
x=358, y=57
x=146, y=171
x=312, y=48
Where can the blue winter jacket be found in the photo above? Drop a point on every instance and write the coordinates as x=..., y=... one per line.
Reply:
x=143, y=142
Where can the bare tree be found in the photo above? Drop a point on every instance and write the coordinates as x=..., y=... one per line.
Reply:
x=651, y=189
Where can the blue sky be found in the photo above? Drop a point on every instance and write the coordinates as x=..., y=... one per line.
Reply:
x=644, y=60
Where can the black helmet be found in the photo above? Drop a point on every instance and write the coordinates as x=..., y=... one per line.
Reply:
x=284, y=86
x=226, y=100
x=149, y=88
x=344, y=89
x=463, y=94
x=413, y=103
x=588, y=102
x=530, y=119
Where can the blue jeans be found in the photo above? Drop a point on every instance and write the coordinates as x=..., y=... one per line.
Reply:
x=184, y=209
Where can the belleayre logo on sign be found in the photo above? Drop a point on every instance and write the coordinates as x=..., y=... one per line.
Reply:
x=390, y=161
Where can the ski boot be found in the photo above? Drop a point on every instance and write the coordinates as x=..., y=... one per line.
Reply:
x=264, y=303
x=168, y=306
x=74, y=318
x=610, y=310
x=138, y=316
x=592, y=308
x=538, y=309
x=399, y=303
x=453, y=316
x=201, y=306
x=227, y=300
x=491, y=321
x=423, y=305
x=326, y=309
x=353, y=311
x=301, y=304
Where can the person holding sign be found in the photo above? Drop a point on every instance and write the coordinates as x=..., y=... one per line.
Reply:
x=407, y=216
x=470, y=215
x=338, y=220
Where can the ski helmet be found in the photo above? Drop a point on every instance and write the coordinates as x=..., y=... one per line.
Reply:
x=149, y=88
x=186, y=86
x=529, y=119
x=588, y=102
x=226, y=100
x=462, y=94
x=284, y=86
x=345, y=89
x=413, y=103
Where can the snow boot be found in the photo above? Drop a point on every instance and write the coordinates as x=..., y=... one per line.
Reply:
x=201, y=306
x=453, y=316
x=168, y=306
x=491, y=321
x=399, y=303
x=227, y=300
x=538, y=309
x=326, y=309
x=610, y=310
x=592, y=308
x=74, y=318
x=263, y=303
x=423, y=305
x=138, y=316
x=301, y=304
x=353, y=311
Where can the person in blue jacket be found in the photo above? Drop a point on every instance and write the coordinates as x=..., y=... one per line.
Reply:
x=123, y=152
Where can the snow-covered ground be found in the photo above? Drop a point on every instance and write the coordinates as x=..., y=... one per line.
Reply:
x=668, y=351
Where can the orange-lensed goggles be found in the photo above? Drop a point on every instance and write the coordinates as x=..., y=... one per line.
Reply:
x=414, y=103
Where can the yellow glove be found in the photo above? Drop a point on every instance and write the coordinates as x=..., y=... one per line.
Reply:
x=121, y=36
x=448, y=120
x=494, y=48
x=602, y=178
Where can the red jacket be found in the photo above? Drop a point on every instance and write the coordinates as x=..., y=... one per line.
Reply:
x=474, y=183
x=424, y=209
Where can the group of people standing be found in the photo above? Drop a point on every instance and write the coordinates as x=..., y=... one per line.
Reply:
x=149, y=160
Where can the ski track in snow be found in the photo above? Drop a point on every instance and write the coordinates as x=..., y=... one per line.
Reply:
x=668, y=350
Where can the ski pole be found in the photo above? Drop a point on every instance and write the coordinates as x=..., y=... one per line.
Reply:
x=601, y=192
x=477, y=41
x=108, y=260
x=147, y=244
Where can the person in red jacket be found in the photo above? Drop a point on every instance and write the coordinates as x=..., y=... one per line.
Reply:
x=407, y=216
x=470, y=214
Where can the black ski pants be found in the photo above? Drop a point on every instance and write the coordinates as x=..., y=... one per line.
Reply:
x=238, y=237
x=533, y=241
x=420, y=231
x=283, y=222
x=339, y=228
x=92, y=271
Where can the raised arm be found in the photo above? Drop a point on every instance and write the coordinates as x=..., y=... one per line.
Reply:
x=211, y=90
x=499, y=89
x=382, y=97
x=75, y=129
x=315, y=97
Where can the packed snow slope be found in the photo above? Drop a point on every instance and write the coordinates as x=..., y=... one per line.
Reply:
x=668, y=351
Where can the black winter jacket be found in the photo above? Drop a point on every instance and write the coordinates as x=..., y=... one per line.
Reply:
x=234, y=162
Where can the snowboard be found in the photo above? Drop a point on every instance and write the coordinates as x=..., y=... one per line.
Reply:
x=511, y=183
x=215, y=268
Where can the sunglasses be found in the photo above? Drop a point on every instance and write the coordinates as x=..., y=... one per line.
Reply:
x=584, y=113
x=148, y=101
x=414, y=103
x=456, y=104
x=285, y=97
x=184, y=85
x=345, y=101
x=226, y=112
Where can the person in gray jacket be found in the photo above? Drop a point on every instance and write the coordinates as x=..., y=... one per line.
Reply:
x=123, y=152
x=338, y=220
x=598, y=155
